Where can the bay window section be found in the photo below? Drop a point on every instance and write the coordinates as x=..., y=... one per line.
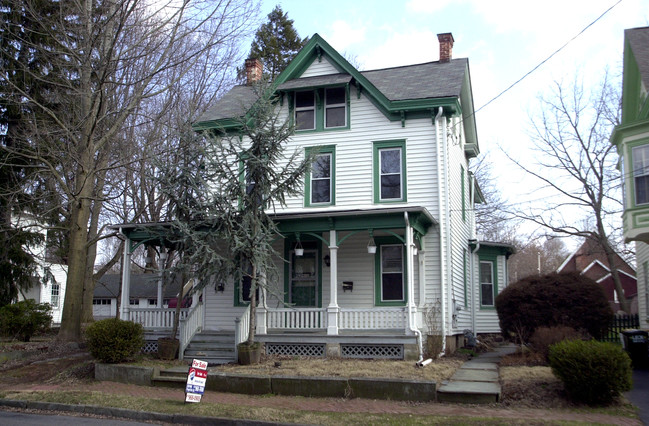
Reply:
x=640, y=155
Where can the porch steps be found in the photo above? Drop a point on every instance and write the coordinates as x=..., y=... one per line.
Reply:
x=215, y=347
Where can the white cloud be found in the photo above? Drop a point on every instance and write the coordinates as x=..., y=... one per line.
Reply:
x=343, y=34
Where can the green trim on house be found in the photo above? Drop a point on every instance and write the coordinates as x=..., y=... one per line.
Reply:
x=376, y=148
x=327, y=149
x=389, y=241
x=320, y=109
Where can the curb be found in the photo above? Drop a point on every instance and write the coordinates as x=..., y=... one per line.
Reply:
x=130, y=414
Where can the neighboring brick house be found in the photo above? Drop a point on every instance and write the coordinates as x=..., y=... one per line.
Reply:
x=590, y=260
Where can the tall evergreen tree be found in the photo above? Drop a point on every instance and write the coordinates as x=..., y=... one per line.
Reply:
x=276, y=43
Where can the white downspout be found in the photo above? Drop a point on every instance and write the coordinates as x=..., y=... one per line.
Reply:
x=411, y=292
x=473, y=289
x=447, y=229
x=441, y=234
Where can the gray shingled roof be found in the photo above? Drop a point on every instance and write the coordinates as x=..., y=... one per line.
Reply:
x=639, y=41
x=421, y=81
x=233, y=104
x=143, y=286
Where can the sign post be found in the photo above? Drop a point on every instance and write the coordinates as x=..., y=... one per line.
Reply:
x=196, y=378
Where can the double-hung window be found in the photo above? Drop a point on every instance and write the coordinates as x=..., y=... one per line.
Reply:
x=320, y=183
x=321, y=109
x=390, y=272
x=389, y=171
x=335, y=107
x=305, y=110
x=640, y=155
x=56, y=291
x=487, y=283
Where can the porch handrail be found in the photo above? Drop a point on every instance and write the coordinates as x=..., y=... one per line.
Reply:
x=241, y=330
x=155, y=317
x=373, y=318
x=297, y=318
x=189, y=326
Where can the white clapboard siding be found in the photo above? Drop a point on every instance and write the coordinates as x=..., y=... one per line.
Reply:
x=487, y=319
x=319, y=67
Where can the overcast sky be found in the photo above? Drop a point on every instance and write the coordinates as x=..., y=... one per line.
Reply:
x=503, y=39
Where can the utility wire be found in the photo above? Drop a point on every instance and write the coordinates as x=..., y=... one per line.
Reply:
x=548, y=58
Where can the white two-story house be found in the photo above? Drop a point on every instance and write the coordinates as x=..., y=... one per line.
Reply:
x=380, y=250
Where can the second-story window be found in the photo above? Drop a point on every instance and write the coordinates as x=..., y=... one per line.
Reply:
x=335, y=107
x=321, y=179
x=305, y=110
x=640, y=156
x=390, y=171
x=320, y=182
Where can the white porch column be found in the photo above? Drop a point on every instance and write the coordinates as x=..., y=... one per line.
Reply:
x=412, y=310
x=333, y=309
x=163, y=261
x=262, y=326
x=126, y=281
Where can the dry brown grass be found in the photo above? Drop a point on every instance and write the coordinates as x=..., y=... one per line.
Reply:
x=441, y=369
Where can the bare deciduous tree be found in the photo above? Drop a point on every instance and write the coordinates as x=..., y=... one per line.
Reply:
x=115, y=55
x=576, y=161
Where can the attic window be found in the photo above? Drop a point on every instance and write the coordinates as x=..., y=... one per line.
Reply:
x=305, y=110
x=335, y=101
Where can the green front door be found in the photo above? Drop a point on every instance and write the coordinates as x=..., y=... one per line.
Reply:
x=303, y=288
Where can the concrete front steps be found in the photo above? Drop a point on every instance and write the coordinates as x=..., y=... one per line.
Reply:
x=215, y=347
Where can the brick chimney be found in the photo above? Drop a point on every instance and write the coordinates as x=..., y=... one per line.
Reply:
x=445, y=47
x=254, y=70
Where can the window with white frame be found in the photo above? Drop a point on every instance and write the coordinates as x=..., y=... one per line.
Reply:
x=335, y=107
x=305, y=110
x=389, y=171
x=134, y=301
x=487, y=283
x=640, y=155
x=55, y=295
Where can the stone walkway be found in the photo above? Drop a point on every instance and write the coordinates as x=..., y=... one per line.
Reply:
x=477, y=381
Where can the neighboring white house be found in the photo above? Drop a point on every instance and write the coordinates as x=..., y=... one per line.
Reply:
x=631, y=138
x=392, y=173
x=49, y=284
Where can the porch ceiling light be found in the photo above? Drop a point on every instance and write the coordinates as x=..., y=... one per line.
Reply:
x=371, y=245
x=299, y=250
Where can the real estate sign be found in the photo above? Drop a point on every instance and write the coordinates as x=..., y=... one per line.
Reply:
x=196, y=378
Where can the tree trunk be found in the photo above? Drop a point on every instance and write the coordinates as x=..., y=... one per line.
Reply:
x=253, y=306
x=611, y=257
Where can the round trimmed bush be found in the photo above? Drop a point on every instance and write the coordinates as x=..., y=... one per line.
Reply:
x=544, y=337
x=567, y=299
x=23, y=319
x=592, y=372
x=113, y=340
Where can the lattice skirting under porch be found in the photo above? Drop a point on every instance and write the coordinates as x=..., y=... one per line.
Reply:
x=150, y=346
x=290, y=349
x=371, y=351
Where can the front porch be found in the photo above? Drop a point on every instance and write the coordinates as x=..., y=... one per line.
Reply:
x=363, y=333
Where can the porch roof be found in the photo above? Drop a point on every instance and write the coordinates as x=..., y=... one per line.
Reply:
x=305, y=221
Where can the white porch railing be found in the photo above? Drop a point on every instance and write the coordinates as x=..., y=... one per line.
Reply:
x=297, y=318
x=241, y=330
x=373, y=318
x=189, y=325
x=155, y=317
